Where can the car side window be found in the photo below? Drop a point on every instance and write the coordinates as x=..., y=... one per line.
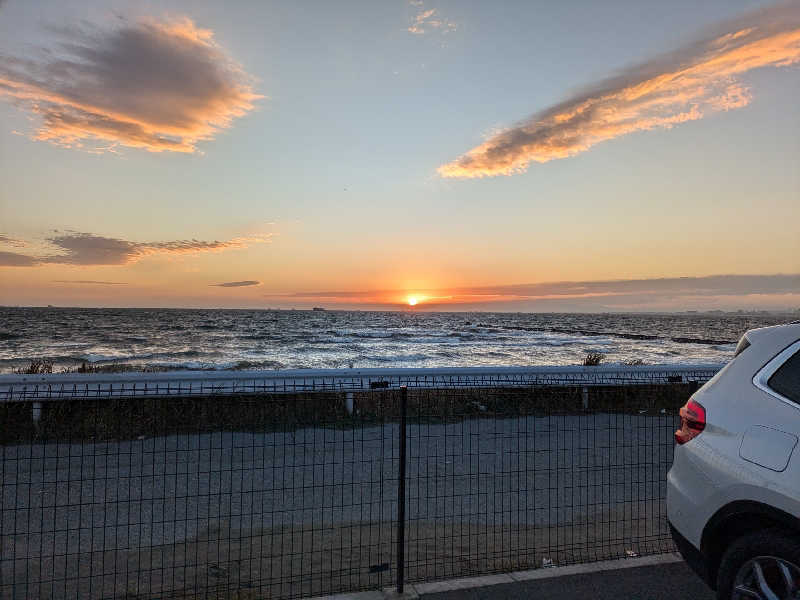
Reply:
x=786, y=380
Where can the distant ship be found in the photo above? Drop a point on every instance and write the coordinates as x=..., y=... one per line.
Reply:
x=317, y=308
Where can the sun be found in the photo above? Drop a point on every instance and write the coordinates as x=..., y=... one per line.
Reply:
x=412, y=300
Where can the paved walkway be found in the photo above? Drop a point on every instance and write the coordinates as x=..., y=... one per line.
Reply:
x=664, y=577
x=673, y=581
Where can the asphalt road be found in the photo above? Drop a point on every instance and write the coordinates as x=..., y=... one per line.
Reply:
x=661, y=582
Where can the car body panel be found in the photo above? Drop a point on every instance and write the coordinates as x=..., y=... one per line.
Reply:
x=767, y=447
x=746, y=453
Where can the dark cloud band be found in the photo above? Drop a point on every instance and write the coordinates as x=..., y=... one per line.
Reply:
x=87, y=249
x=236, y=284
x=714, y=285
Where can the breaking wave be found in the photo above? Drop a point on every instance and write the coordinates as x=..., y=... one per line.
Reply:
x=221, y=339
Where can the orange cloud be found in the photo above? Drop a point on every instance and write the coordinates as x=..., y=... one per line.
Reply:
x=684, y=86
x=160, y=86
x=87, y=249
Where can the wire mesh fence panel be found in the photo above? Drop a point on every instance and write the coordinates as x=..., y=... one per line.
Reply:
x=294, y=495
x=525, y=477
x=272, y=497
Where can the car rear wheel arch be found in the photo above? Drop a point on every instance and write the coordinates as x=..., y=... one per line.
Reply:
x=736, y=520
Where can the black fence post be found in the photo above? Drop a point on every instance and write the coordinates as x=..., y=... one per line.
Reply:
x=401, y=493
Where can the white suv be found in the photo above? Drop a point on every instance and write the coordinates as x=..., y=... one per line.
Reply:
x=733, y=492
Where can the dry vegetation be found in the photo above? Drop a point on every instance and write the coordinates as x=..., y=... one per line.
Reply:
x=44, y=366
x=37, y=366
x=593, y=359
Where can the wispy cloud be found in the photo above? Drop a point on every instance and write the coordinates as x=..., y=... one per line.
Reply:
x=685, y=85
x=428, y=20
x=88, y=249
x=9, y=241
x=156, y=85
x=89, y=282
x=235, y=284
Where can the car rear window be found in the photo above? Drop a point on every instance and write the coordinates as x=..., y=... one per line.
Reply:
x=786, y=380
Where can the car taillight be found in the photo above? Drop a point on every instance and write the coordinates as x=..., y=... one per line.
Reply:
x=693, y=422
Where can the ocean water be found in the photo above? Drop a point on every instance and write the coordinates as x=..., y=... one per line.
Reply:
x=284, y=339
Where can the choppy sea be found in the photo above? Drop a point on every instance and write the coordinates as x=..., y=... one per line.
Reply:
x=285, y=339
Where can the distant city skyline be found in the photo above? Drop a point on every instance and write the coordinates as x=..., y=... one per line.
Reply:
x=623, y=156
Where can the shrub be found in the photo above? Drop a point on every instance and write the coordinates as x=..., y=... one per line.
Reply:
x=37, y=366
x=592, y=359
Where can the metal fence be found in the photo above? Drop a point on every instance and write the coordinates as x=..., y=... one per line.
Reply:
x=300, y=484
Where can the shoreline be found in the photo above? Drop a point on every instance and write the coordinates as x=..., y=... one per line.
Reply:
x=48, y=366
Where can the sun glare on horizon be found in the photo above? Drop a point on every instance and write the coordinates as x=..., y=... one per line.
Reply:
x=412, y=300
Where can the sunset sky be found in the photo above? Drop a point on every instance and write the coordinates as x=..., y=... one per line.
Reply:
x=551, y=156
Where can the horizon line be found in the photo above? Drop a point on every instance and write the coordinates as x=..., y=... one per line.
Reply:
x=409, y=309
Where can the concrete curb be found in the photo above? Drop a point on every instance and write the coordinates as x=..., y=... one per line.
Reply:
x=421, y=589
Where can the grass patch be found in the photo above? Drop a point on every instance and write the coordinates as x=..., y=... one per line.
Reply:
x=99, y=419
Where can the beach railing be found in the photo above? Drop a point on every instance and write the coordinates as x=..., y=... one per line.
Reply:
x=16, y=388
x=299, y=483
